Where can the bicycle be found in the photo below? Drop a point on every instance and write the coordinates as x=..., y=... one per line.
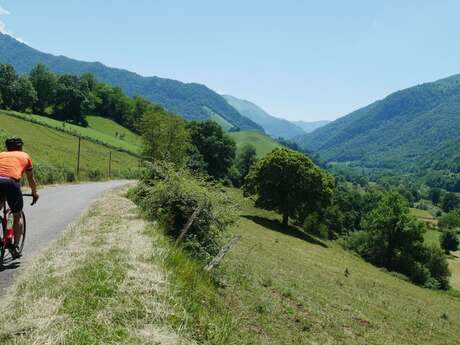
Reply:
x=7, y=235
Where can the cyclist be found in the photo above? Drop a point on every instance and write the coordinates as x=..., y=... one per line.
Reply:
x=13, y=164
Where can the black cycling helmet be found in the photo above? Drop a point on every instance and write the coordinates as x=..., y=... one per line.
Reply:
x=14, y=144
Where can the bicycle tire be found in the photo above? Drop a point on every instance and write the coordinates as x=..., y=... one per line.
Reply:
x=2, y=254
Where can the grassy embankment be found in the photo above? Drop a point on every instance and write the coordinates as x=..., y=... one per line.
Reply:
x=278, y=286
x=91, y=287
x=55, y=150
x=263, y=143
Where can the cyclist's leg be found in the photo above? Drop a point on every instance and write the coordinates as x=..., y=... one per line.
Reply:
x=16, y=204
x=17, y=227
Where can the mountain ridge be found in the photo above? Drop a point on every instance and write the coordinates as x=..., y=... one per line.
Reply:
x=394, y=131
x=274, y=126
x=189, y=100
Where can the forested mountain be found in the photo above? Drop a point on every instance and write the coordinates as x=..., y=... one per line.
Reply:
x=309, y=127
x=274, y=126
x=193, y=101
x=415, y=128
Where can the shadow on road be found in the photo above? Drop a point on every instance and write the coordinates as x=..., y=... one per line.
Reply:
x=287, y=230
x=9, y=264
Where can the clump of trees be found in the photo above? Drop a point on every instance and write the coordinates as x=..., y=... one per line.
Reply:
x=69, y=98
x=392, y=238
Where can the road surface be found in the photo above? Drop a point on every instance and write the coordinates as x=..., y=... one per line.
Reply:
x=58, y=207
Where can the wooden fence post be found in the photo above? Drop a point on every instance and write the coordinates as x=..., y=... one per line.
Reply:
x=225, y=249
x=188, y=225
x=78, y=157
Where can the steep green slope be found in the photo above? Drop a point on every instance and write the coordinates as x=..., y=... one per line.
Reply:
x=114, y=130
x=272, y=125
x=262, y=143
x=396, y=131
x=189, y=100
x=310, y=126
x=53, y=148
x=100, y=133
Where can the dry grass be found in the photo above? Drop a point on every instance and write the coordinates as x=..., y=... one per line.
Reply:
x=96, y=285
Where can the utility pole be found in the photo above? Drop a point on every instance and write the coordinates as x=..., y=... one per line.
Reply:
x=110, y=164
x=78, y=157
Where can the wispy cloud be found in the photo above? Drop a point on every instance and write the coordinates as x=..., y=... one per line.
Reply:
x=3, y=12
x=3, y=29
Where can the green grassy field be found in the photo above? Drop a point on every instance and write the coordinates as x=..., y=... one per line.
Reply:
x=54, y=147
x=262, y=143
x=291, y=288
x=114, y=130
x=100, y=130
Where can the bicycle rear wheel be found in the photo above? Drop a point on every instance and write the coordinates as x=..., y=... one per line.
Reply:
x=22, y=239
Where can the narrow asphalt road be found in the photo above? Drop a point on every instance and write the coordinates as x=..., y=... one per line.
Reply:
x=58, y=207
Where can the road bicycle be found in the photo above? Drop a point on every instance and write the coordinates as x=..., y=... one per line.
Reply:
x=7, y=235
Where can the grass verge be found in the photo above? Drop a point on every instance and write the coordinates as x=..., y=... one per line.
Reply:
x=96, y=285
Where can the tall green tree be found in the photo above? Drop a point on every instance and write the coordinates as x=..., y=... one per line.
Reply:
x=25, y=95
x=44, y=82
x=8, y=83
x=290, y=183
x=450, y=202
x=71, y=101
x=165, y=137
x=245, y=159
x=217, y=148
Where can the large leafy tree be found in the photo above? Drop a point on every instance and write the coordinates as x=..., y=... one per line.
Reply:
x=289, y=183
x=245, y=159
x=394, y=233
x=216, y=147
x=71, y=101
x=165, y=137
x=450, y=202
x=8, y=83
x=24, y=94
x=44, y=82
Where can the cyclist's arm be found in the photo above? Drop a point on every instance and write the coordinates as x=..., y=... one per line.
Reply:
x=31, y=180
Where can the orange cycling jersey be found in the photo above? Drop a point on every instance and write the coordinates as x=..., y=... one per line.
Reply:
x=14, y=163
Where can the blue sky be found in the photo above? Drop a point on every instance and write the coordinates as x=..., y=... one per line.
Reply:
x=306, y=60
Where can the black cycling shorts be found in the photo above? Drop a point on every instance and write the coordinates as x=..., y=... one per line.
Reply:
x=11, y=190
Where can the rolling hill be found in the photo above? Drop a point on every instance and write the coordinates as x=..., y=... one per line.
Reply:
x=193, y=101
x=398, y=132
x=272, y=125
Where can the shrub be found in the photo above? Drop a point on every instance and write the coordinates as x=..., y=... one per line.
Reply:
x=171, y=196
x=95, y=175
x=449, y=241
x=449, y=220
x=50, y=174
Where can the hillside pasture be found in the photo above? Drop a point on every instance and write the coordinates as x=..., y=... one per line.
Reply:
x=96, y=134
x=263, y=143
x=54, y=148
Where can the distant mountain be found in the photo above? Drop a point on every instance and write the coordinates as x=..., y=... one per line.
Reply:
x=193, y=101
x=273, y=126
x=406, y=130
x=309, y=127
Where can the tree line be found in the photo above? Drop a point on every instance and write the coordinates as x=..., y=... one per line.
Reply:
x=68, y=97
